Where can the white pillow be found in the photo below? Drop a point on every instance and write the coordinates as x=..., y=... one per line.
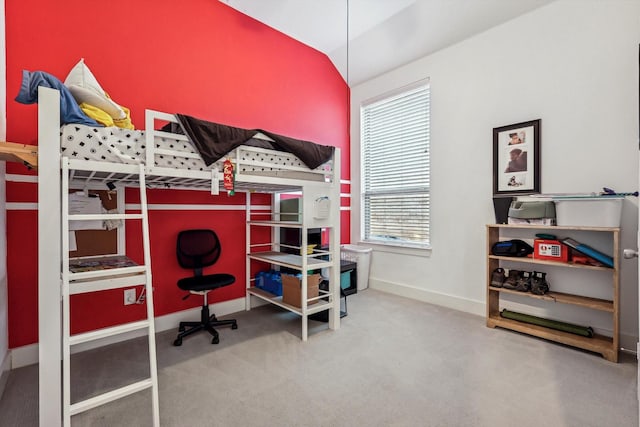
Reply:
x=85, y=88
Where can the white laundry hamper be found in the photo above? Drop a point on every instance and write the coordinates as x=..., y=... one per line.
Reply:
x=362, y=257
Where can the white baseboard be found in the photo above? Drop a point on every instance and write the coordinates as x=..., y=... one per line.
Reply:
x=437, y=298
x=24, y=356
x=626, y=341
x=28, y=354
x=5, y=367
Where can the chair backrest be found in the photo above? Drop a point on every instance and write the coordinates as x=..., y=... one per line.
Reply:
x=197, y=249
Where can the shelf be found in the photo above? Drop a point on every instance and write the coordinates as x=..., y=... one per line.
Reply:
x=289, y=260
x=594, y=303
x=553, y=227
x=321, y=305
x=546, y=262
x=598, y=344
x=283, y=224
x=104, y=272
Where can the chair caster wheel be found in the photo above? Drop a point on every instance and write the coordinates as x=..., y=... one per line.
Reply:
x=215, y=340
x=234, y=326
x=178, y=342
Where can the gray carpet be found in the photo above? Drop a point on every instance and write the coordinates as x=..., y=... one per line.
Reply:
x=394, y=362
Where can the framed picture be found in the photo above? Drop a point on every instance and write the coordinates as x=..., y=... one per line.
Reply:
x=516, y=158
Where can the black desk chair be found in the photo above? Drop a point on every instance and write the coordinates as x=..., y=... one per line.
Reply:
x=197, y=249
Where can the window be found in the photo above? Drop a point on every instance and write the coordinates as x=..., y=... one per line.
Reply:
x=396, y=167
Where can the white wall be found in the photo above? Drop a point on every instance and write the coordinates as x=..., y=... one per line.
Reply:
x=574, y=65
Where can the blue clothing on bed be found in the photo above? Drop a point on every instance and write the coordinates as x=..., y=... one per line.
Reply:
x=70, y=112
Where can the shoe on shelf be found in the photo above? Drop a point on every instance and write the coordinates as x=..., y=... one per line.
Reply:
x=498, y=277
x=511, y=281
x=524, y=281
x=539, y=285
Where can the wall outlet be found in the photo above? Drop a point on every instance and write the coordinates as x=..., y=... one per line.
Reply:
x=129, y=296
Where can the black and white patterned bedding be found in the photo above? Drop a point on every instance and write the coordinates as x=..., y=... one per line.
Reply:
x=117, y=145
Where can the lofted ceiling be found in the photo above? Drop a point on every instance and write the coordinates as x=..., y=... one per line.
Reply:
x=382, y=34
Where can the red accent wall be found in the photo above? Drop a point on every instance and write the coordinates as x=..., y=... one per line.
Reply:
x=200, y=58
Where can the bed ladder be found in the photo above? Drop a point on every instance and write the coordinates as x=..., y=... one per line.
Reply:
x=97, y=280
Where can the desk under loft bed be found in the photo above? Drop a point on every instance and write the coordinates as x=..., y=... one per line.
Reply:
x=21, y=153
x=161, y=165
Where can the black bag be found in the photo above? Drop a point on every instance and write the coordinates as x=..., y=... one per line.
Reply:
x=515, y=248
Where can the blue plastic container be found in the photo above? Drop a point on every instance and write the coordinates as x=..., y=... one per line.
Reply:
x=345, y=279
x=269, y=281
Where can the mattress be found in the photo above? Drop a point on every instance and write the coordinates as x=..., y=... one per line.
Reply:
x=117, y=145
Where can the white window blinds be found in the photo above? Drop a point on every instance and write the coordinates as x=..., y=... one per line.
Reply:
x=396, y=168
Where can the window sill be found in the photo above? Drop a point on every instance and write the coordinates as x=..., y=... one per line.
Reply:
x=398, y=249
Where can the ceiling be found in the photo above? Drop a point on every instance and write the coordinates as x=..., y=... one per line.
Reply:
x=382, y=34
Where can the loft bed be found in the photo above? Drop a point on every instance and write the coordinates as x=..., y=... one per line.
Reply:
x=163, y=158
x=173, y=161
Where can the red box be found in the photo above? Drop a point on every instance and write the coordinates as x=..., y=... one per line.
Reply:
x=551, y=250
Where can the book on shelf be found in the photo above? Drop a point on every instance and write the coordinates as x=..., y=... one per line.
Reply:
x=100, y=263
x=588, y=251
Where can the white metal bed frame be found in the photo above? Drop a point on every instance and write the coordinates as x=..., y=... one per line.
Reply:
x=50, y=217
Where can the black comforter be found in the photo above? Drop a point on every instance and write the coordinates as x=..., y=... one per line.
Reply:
x=214, y=140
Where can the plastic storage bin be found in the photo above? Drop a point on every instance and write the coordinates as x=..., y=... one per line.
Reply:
x=269, y=281
x=362, y=257
x=589, y=212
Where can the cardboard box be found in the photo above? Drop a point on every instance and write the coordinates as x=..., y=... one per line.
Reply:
x=292, y=289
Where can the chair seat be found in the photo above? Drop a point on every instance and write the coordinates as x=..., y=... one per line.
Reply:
x=206, y=282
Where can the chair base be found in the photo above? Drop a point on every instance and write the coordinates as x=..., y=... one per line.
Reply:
x=207, y=322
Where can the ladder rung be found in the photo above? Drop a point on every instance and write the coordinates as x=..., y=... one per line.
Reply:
x=107, y=332
x=107, y=272
x=102, y=217
x=101, y=399
x=103, y=284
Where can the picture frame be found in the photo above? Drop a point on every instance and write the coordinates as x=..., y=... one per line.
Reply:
x=516, y=158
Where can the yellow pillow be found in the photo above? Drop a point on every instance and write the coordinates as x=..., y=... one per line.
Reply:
x=126, y=122
x=97, y=114
x=104, y=118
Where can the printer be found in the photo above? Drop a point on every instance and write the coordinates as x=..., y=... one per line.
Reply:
x=542, y=212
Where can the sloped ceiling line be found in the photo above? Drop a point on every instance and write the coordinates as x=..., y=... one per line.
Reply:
x=371, y=37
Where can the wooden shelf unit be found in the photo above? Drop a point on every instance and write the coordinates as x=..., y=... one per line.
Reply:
x=607, y=346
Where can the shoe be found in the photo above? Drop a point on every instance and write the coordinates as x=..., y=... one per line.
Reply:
x=524, y=281
x=512, y=279
x=539, y=285
x=498, y=277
